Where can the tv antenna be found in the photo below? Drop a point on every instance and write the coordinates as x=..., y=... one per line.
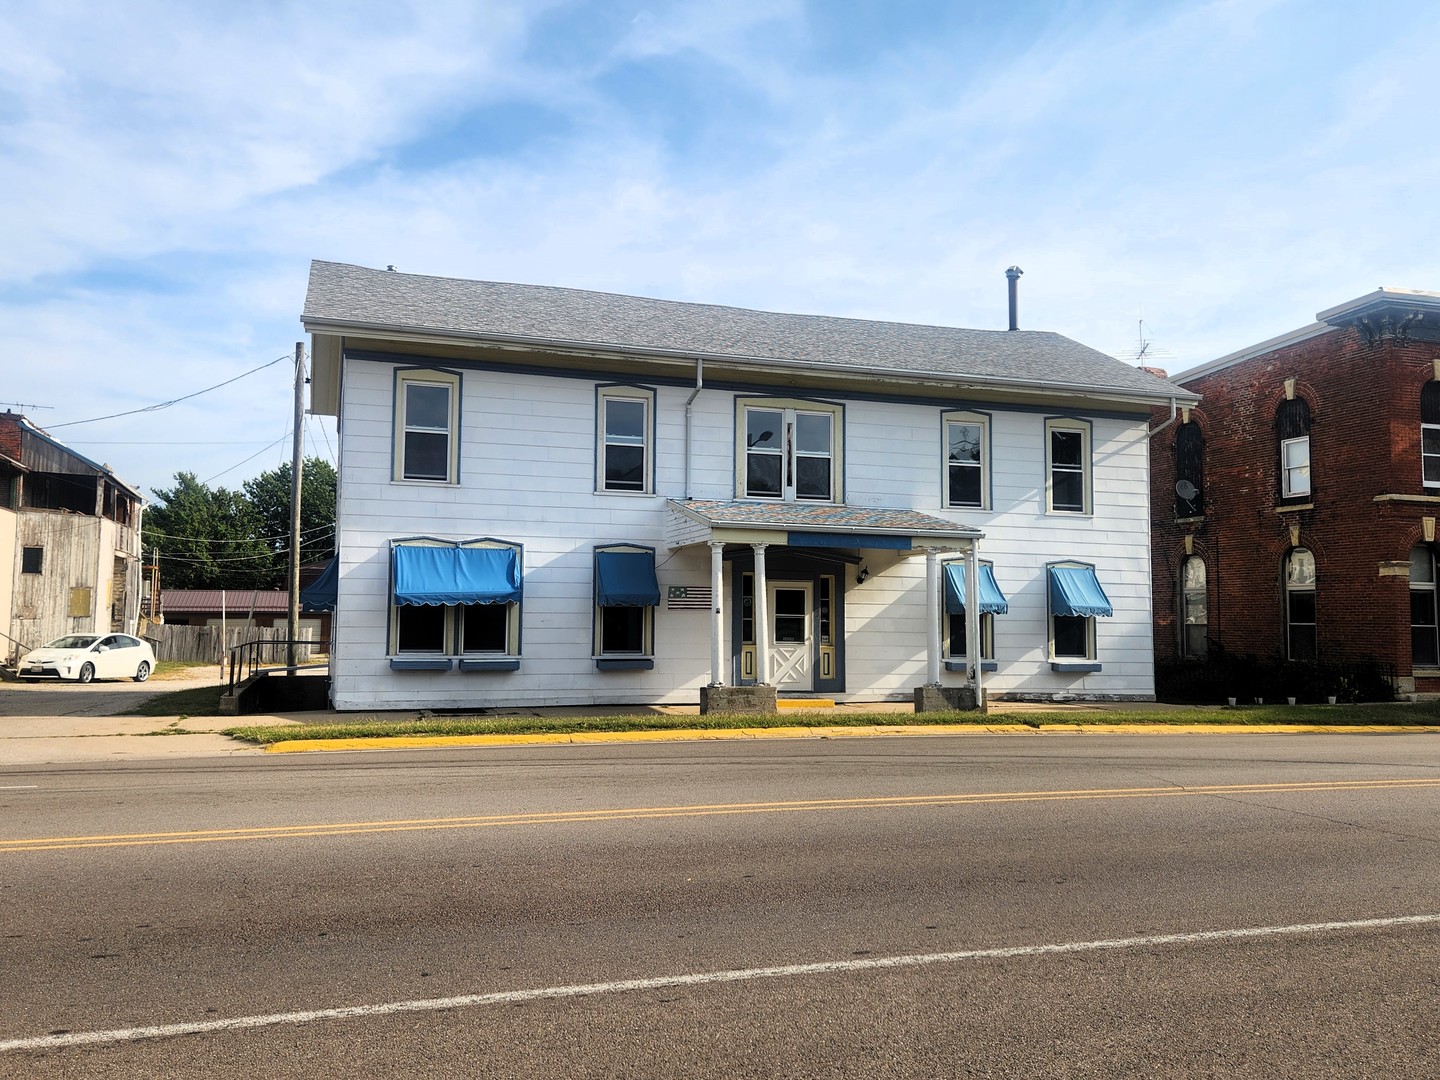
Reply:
x=24, y=405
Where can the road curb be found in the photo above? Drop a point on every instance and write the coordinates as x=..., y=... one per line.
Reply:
x=418, y=742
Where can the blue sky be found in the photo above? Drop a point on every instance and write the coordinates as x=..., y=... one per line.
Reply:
x=1221, y=170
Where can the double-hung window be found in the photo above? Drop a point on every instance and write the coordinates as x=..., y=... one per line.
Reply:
x=626, y=596
x=992, y=603
x=1424, y=627
x=1076, y=598
x=1067, y=466
x=1194, y=608
x=967, y=458
x=1292, y=426
x=1430, y=434
x=427, y=426
x=788, y=450
x=624, y=425
x=455, y=599
x=1300, y=624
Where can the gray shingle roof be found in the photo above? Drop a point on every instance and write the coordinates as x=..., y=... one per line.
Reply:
x=344, y=297
x=802, y=516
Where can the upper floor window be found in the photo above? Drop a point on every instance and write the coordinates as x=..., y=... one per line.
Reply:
x=1189, y=470
x=788, y=451
x=1424, y=631
x=624, y=425
x=967, y=457
x=1292, y=425
x=1300, y=637
x=32, y=560
x=1430, y=434
x=1067, y=466
x=427, y=426
x=1194, y=608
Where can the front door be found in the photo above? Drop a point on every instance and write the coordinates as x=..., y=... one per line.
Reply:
x=792, y=636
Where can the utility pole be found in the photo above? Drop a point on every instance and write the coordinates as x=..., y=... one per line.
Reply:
x=296, y=460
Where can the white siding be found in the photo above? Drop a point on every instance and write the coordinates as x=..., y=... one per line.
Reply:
x=528, y=475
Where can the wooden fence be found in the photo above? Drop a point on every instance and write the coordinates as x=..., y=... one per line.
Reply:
x=203, y=644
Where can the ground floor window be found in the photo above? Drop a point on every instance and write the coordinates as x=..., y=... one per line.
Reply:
x=627, y=593
x=1076, y=598
x=1300, y=627
x=455, y=598
x=1194, y=608
x=1424, y=632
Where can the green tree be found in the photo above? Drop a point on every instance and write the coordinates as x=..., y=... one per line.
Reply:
x=269, y=497
x=206, y=538
x=212, y=538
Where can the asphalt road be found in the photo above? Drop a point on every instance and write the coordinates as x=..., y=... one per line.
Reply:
x=983, y=906
x=107, y=697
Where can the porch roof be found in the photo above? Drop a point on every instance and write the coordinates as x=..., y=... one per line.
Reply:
x=812, y=525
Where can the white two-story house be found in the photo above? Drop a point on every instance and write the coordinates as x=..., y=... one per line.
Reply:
x=551, y=496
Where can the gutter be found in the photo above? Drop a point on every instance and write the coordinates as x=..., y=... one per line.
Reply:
x=906, y=376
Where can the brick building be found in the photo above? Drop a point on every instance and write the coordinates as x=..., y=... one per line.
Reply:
x=1293, y=510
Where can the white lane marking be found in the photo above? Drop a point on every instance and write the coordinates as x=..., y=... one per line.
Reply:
x=512, y=997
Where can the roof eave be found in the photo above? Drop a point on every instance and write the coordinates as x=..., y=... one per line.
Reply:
x=422, y=335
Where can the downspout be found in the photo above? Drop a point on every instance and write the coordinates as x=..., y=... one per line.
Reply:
x=689, y=403
x=1173, y=416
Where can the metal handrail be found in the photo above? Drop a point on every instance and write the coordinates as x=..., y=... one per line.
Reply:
x=248, y=658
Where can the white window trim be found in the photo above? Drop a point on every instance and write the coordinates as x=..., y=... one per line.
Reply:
x=453, y=618
x=1286, y=489
x=1092, y=653
x=790, y=407
x=645, y=396
x=1082, y=428
x=418, y=376
x=970, y=419
x=987, y=622
x=1423, y=429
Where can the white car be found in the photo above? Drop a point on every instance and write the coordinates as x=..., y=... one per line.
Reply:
x=85, y=657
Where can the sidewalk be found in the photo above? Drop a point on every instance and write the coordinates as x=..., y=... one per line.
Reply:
x=33, y=740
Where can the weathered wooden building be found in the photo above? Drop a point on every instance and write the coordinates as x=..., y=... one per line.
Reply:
x=69, y=541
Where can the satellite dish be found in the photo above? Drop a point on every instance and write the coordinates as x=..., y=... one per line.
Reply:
x=1186, y=490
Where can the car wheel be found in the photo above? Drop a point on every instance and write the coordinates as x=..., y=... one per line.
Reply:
x=142, y=672
x=87, y=673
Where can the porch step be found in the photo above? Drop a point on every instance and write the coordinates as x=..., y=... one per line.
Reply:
x=804, y=703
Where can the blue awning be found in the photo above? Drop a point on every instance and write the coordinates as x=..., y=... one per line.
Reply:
x=456, y=575
x=319, y=595
x=992, y=600
x=1075, y=590
x=626, y=579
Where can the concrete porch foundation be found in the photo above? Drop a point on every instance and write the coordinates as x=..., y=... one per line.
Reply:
x=738, y=699
x=945, y=699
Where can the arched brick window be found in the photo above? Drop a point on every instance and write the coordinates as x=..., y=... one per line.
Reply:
x=1300, y=627
x=1194, y=608
x=1430, y=434
x=1292, y=427
x=1190, y=470
x=1424, y=630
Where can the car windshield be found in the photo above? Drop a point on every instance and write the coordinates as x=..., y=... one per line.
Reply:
x=74, y=641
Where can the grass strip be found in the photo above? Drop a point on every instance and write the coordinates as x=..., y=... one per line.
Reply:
x=1406, y=715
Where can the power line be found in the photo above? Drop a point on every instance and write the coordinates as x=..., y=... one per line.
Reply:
x=267, y=555
x=253, y=456
x=167, y=404
x=147, y=533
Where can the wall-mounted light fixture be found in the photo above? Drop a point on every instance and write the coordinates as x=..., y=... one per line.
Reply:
x=861, y=574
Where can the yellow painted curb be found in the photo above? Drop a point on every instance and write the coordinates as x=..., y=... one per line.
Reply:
x=414, y=742
x=804, y=703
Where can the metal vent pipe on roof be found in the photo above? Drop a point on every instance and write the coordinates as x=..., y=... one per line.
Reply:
x=1014, y=275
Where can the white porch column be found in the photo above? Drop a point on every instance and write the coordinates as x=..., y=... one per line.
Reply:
x=762, y=619
x=717, y=613
x=974, y=646
x=932, y=617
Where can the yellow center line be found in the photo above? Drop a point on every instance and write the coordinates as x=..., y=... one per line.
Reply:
x=566, y=817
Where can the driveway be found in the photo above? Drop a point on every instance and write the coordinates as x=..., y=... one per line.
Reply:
x=51, y=697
